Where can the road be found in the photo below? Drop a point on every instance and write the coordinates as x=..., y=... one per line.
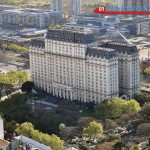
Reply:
x=5, y=97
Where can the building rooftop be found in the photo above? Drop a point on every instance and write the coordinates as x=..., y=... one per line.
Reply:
x=3, y=143
x=31, y=11
x=39, y=42
x=120, y=47
x=31, y=144
x=72, y=36
x=13, y=38
x=138, y=19
x=102, y=52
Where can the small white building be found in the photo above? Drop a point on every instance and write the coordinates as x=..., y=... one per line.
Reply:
x=1, y=128
x=4, y=145
x=26, y=143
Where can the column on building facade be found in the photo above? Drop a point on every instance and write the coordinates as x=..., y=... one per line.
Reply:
x=53, y=91
x=71, y=95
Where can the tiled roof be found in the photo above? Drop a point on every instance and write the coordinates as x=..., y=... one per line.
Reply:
x=3, y=143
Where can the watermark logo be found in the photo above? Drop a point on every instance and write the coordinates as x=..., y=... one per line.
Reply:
x=116, y=10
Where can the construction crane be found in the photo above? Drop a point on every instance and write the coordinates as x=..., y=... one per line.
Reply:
x=124, y=38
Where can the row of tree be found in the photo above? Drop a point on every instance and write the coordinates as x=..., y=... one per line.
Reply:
x=27, y=129
x=12, y=79
x=15, y=48
x=142, y=98
x=115, y=107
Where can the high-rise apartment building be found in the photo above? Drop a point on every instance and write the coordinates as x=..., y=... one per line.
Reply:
x=57, y=5
x=38, y=18
x=132, y=3
x=71, y=65
x=74, y=7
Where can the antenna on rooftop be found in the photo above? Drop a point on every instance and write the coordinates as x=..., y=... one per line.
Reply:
x=124, y=38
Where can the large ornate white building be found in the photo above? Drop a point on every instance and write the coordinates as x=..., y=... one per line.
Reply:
x=71, y=65
x=57, y=5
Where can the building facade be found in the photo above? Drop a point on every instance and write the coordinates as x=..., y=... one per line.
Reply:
x=133, y=3
x=70, y=65
x=126, y=3
x=137, y=25
x=128, y=68
x=57, y=5
x=74, y=7
x=96, y=20
x=23, y=142
x=29, y=18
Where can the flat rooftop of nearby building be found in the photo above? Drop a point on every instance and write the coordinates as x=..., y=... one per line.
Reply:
x=103, y=49
x=4, y=68
x=134, y=20
x=85, y=31
x=31, y=11
x=38, y=42
x=32, y=143
x=3, y=143
x=13, y=38
x=81, y=25
x=111, y=42
x=72, y=36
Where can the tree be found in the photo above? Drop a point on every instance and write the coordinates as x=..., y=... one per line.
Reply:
x=4, y=46
x=147, y=71
x=4, y=84
x=22, y=76
x=131, y=106
x=120, y=146
x=93, y=129
x=69, y=132
x=18, y=48
x=27, y=86
x=61, y=126
x=17, y=77
x=11, y=34
x=10, y=127
x=126, y=118
x=142, y=98
x=106, y=108
x=55, y=142
x=27, y=129
x=52, y=26
x=134, y=147
x=84, y=146
x=143, y=129
x=58, y=26
x=12, y=75
x=83, y=122
x=110, y=124
x=145, y=111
